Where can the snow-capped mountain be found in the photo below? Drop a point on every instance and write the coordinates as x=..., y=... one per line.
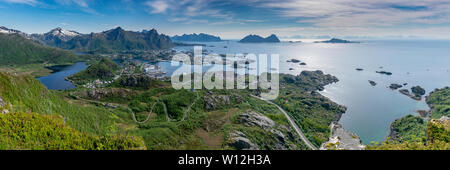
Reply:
x=60, y=33
x=9, y=31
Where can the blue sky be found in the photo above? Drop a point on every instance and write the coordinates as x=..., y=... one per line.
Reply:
x=234, y=19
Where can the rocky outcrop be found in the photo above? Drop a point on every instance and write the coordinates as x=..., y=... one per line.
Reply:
x=315, y=80
x=293, y=61
x=214, y=101
x=384, y=72
x=4, y=106
x=395, y=86
x=252, y=118
x=101, y=93
x=261, y=132
x=406, y=92
x=240, y=141
x=418, y=91
x=342, y=139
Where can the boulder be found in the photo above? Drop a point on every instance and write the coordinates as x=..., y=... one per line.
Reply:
x=252, y=118
x=239, y=141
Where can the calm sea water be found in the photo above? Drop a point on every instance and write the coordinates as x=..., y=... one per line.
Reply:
x=56, y=81
x=371, y=110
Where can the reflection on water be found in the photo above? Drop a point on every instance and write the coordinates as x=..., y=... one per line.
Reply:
x=56, y=81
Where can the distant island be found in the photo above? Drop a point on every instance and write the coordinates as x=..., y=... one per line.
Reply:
x=196, y=37
x=258, y=39
x=336, y=40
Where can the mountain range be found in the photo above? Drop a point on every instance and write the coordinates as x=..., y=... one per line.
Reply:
x=196, y=37
x=114, y=40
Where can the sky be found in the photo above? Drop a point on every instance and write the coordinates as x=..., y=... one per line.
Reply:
x=233, y=19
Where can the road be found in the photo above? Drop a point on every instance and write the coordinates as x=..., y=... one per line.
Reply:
x=292, y=122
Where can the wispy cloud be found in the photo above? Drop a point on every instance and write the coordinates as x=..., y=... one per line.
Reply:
x=158, y=6
x=189, y=11
x=28, y=2
x=351, y=13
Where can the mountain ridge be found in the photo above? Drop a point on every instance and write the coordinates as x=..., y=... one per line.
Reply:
x=258, y=39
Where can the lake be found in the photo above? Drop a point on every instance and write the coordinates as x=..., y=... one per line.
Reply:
x=57, y=81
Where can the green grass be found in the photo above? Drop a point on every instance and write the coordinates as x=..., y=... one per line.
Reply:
x=26, y=94
x=409, y=128
x=32, y=131
x=438, y=138
x=439, y=101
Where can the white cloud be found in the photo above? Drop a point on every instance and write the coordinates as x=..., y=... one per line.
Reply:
x=158, y=6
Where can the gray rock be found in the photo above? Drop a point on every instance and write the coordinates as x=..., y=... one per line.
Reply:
x=252, y=118
x=4, y=106
x=216, y=101
x=2, y=102
x=395, y=86
x=240, y=141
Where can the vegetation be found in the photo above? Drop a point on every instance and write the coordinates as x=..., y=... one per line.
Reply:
x=312, y=112
x=49, y=132
x=26, y=94
x=413, y=133
x=104, y=69
x=16, y=50
x=409, y=128
x=439, y=100
x=438, y=138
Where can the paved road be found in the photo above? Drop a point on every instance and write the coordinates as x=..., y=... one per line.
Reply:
x=293, y=124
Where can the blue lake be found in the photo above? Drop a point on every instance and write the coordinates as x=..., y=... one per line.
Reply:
x=56, y=81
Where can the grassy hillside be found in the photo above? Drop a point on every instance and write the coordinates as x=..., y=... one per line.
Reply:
x=49, y=132
x=312, y=112
x=438, y=138
x=16, y=51
x=409, y=128
x=439, y=100
x=26, y=94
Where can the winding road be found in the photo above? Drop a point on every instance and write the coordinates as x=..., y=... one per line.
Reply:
x=292, y=122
